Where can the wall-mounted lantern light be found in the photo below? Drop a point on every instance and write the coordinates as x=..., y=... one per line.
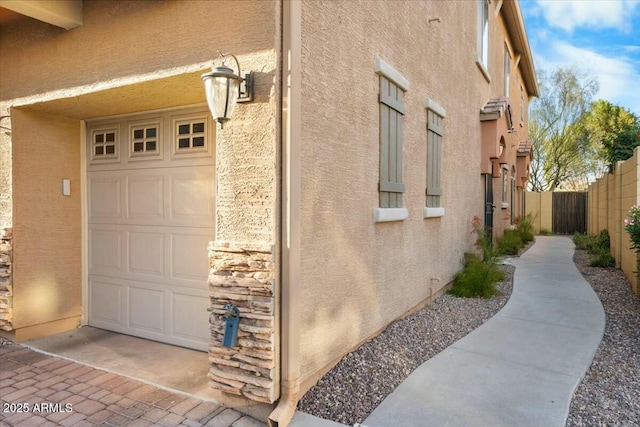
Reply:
x=224, y=88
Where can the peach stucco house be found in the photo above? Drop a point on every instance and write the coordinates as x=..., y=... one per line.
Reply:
x=337, y=200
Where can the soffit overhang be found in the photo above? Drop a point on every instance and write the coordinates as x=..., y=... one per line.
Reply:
x=122, y=98
x=66, y=14
x=520, y=43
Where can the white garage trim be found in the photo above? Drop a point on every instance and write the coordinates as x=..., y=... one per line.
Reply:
x=84, y=227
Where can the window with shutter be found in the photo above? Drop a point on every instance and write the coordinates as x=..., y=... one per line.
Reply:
x=391, y=116
x=393, y=86
x=435, y=133
x=505, y=179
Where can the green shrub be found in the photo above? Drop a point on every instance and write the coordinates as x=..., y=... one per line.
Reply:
x=602, y=258
x=510, y=243
x=599, y=242
x=599, y=247
x=524, y=227
x=545, y=232
x=602, y=240
x=581, y=240
x=477, y=279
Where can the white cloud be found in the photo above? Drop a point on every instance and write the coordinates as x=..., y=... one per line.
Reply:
x=569, y=15
x=619, y=77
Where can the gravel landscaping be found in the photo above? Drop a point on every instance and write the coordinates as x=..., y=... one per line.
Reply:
x=609, y=395
x=362, y=379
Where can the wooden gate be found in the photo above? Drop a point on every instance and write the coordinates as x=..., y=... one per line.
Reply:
x=569, y=212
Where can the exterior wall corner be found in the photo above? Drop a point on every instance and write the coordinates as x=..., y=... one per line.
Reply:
x=244, y=273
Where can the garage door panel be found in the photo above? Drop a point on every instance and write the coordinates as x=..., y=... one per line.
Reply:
x=146, y=253
x=192, y=197
x=105, y=254
x=189, y=256
x=190, y=319
x=145, y=198
x=107, y=303
x=147, y=310
x=105, y=197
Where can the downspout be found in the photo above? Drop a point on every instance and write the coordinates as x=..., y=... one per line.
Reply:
x=291, y=191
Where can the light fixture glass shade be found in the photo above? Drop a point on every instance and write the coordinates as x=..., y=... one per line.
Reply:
x=222, y=87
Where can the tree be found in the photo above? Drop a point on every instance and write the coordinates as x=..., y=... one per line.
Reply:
x=614, y=130
x=562, y=151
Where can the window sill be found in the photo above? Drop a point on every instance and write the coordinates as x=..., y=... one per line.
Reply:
x=484, y=71
x=505, y=205
x=433, y=212
x=390, y=214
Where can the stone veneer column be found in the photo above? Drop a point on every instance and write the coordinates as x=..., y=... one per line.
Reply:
x=6, y=285
x=243, y=273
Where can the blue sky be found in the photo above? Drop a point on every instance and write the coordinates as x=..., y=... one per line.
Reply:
x=601, y=37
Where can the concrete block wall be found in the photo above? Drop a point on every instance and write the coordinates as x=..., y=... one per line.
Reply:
x=539, y=205
x=610, y=199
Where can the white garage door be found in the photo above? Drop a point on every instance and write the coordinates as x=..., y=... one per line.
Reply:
x=150, y=183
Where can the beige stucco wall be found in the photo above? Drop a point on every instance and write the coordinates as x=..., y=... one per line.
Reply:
x=358, y=275
x=46, y=226
x=128, y=57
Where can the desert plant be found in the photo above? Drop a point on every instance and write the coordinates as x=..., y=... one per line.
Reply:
x=483, y=242
x=480, y=272
x=524, y=227
x=602, y=258
x=477, y=279
x=510, y=242
x=581, y=240
x=599, y=242
x=599, y=247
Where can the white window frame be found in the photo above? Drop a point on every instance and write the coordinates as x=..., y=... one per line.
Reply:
x=393, y=76
x=505, y=182
x=191, y=151
x=143, y=125
x=105, y=158
x=483, y=38
x=507, y=71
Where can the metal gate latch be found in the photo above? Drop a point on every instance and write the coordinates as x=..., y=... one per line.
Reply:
x=232, y=317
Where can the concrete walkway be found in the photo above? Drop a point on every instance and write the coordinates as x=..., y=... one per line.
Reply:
x=520, y=368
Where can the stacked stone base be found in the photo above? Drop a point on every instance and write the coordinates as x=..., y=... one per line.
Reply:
x=245, y=275
x=6, y=284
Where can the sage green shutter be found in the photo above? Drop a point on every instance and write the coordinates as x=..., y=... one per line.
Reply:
x=391, y=117
x=434, y=158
